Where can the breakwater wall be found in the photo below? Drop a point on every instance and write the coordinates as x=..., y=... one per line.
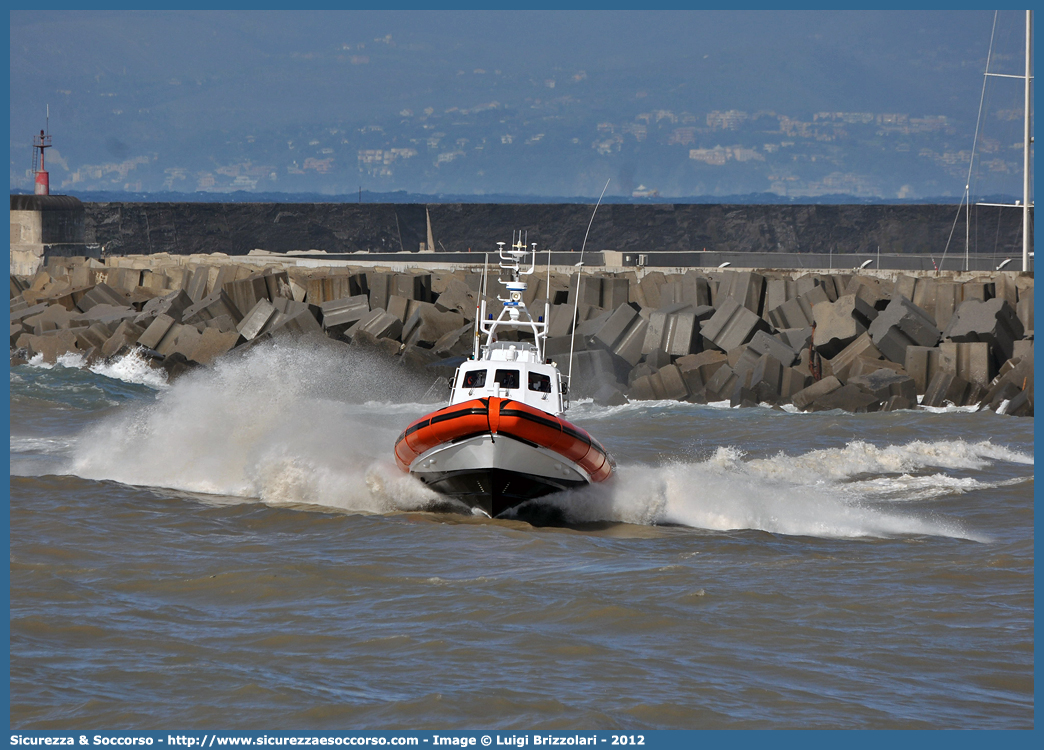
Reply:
x=855, y=230
x=810, y=341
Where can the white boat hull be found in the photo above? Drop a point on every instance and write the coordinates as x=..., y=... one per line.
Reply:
x=496, y=473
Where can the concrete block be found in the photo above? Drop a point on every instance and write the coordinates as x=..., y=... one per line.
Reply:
x=648, y=291
x=869, y=290
x=95, y=336
x=794, y=313
x=330, y=286
x=993, y=321
x=720, y=385
x=256, y=319
x=173, y=304
x=764, y=343
x=278, y=284
x=922, y=362
x=732, y=325
x=798, y=339
x=101, y=294
x=1023, y=349
x=245, y=293
x=743, y=359
x=973, y=361
x=842, y=363
x=298, y=322
x=458, y=343
x=591, y=370
x=561, y=320
x=213, y=305
x=108, y=314
x=412, y=286
x=766, y=379
x=212, y=344
x=672, y=382
x=697, y=369
x=614, y=328
x=657, y=358
x=397, y=306
x=792, y=381
x=290, y=307
x=681, y=335
x=673, y=329
x=900, y=325
x=427, y=325
x=945, y=387
x=629, y=346
x=642, y=368
x=590, y=290
x=865, y=366
x=885, y=383
x=775, y=294
x=898, y=403
x=1016, y=373
x=377, y=323
x=345, y=311
x=458, y=297
x=615, y=293
x=380, y=286
x=905, y=286
x=746, y=287
x=49, y=348
x=947, y=300
x=646, y=388
x=54, y=316
x=838, y=324
x=223, y=323
x=155, y=332
x=126, y=334
x=850, y=398
x=169, y=340
x=978, y=289
x=1024, y=309
x=1019, y=405
x=197, y=286
x=123, y=279
x=804, y=398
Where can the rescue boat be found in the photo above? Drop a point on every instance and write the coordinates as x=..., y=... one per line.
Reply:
x=503, y=438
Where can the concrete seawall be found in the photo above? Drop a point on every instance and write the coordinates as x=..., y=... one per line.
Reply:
x=859, y=231
x=804, y=340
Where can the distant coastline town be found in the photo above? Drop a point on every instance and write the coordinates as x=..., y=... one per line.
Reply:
x=691, y=153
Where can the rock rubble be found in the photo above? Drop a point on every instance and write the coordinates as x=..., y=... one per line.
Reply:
x=810, y=341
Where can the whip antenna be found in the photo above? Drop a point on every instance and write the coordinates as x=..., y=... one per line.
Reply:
x=579, y=273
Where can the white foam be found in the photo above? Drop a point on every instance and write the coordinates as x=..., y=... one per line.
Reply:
x=132, y=367
x=704, y=496
x=829, y=492
x=289, y=423
x=282, y=423
x=41, y=445
x=72, y=360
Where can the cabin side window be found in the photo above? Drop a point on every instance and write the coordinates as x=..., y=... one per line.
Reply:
x=507, y=378
x=540, y=383
x=474, y=379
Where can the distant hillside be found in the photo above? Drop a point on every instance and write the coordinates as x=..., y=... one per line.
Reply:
x=366, y=196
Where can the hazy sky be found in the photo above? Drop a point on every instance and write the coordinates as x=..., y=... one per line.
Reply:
x=122, y=84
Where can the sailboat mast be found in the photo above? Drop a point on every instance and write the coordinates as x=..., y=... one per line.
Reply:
x=1026, y=152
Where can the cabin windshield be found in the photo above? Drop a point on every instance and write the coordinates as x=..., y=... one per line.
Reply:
x=508, y=379
x=538, y=382
x=475, y=379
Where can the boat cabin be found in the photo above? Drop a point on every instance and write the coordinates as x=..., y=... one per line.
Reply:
x=510, y=370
